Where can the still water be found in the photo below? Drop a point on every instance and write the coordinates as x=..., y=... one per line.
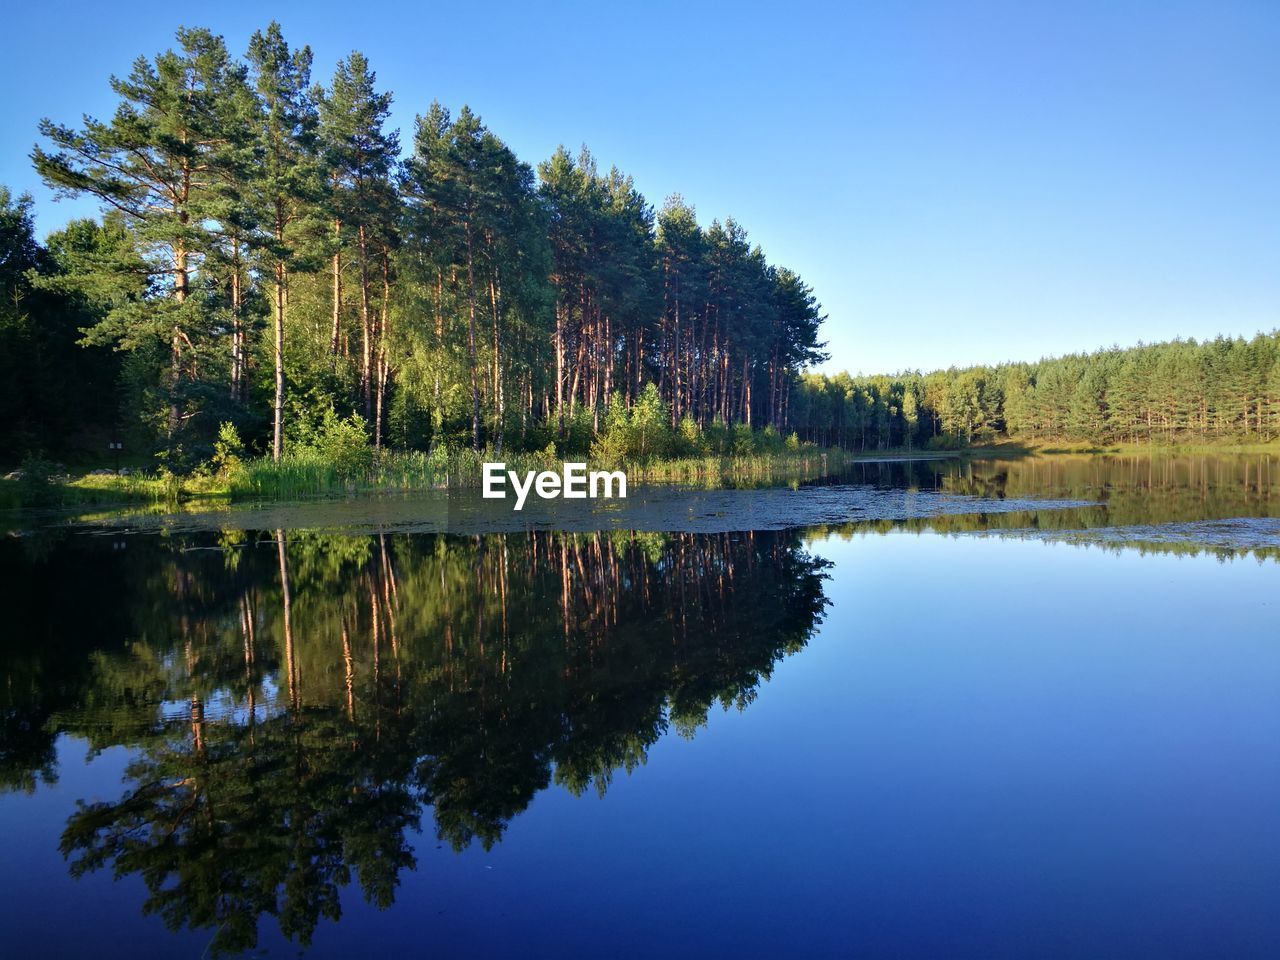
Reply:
x=1024, y=709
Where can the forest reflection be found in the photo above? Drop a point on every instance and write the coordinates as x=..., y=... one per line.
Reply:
x=1131, y=491
x=294, y=703
x=1131, y=488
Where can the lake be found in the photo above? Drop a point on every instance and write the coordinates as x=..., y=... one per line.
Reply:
x=939, y=708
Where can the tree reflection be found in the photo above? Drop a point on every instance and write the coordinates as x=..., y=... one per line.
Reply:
x=296, y=702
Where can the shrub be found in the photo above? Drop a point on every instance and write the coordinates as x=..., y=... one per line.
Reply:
x=611, y=446
x=716, y=437
x=35, y=482
x=650, y=426
x=228, y=450
x=946, y=441
x=688, y=442
x=769, y=441
x=343, y=443
x=579, y=431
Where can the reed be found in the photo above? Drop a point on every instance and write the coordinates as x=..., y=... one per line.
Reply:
x=307, y=474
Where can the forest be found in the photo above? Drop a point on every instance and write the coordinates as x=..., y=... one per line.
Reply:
x=273, y=277
x=1182, y=392
x=271, y=266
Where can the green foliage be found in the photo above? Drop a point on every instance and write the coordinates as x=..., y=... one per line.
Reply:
x=716, y=437
x=56, y=394
x=36, y=487
x=614, y=440
x=267, y=254
x=1223, y=390
x=649, y=427
x=688, y=439
x=945, y=441
x=641, y=433
x=342, y=443
x=228, y=449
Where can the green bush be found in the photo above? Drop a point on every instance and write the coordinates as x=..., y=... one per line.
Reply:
x=36, y=486
x=650, y=426
x=579, y=432
x=228, y=450
x=946, y=441
x=688, y=441
x=716, y=437
x=613, y=443
x=769, y=441
x=344, y=444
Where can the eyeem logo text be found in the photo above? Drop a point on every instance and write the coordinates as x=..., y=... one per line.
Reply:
x=572, y=483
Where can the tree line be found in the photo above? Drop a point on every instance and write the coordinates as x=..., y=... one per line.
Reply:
x=266, y=254
x=1221, y=390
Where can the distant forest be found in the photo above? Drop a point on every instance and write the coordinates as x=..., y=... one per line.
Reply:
x=269, y=257
x=1222, y=390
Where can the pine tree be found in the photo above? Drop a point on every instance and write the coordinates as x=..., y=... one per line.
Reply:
x=161, y=162
x=287, y=183
x=362, y=159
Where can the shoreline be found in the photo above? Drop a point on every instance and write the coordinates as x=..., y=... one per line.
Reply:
x=105, y=490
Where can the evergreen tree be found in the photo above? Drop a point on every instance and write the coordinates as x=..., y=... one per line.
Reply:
x=362, y=158
x=287, y=181
x=160, y=162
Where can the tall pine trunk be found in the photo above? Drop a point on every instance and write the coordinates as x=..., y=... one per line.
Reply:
x=559, y=370
x=277, y=407
x=180, y=279
x=383, y=365
x=237, y=325
x=471, y=343
x=366, y=333
x=498, y=400
x=336, y=334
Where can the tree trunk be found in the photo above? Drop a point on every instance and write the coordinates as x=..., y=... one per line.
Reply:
x=336, y=335
x=471, y=343
x=560, y=370
x=237, y=326
x=180, y=279
x=498, y=400
x=366, y=334
x=383, y=366
x=277, y=408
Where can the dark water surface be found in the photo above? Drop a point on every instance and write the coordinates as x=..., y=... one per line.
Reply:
x=1018, y=709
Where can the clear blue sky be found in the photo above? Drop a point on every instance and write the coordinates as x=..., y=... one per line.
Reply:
x=960, y=182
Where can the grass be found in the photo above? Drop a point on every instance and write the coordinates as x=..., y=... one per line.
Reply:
x=307, y=475
x=734, y=470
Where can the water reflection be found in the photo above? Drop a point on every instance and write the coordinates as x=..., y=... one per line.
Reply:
x=293, y=702
x=1151, y=504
